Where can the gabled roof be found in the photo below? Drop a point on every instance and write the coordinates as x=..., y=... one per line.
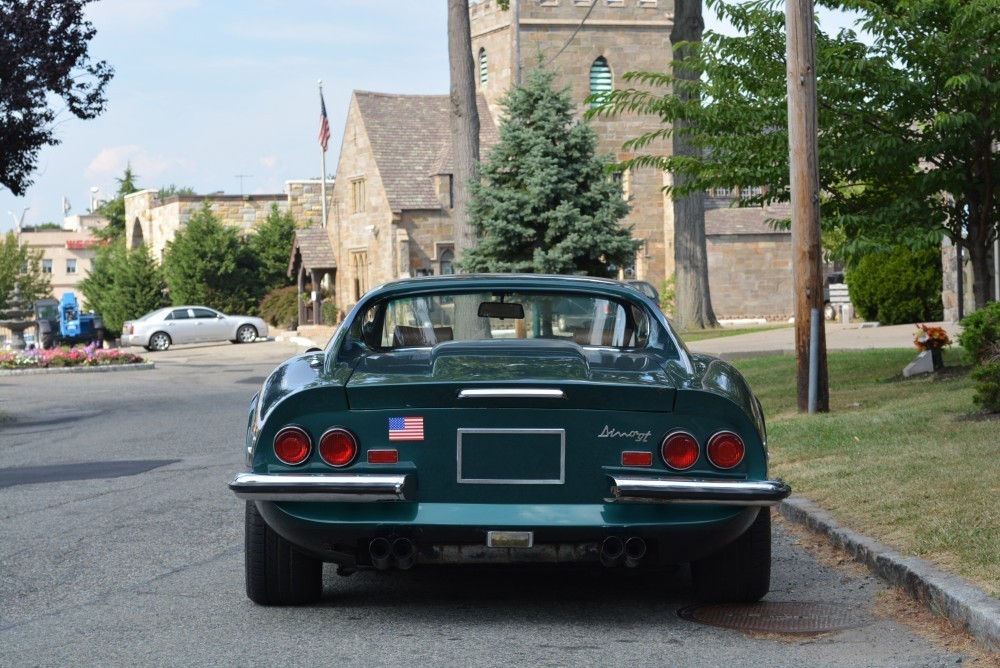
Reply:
x=410, y=137
x=312, y=246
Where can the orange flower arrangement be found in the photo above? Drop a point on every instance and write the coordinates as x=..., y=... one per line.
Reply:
x=931, y=338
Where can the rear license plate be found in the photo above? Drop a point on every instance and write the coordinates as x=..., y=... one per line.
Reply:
x=510, y=539
x=512, y=456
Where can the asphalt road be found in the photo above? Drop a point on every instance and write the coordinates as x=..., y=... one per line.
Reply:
x=146, y=568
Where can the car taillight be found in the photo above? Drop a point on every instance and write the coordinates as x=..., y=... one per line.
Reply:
x=680, y=450
x=292, y=445
x=338, y=447
x=726, y=450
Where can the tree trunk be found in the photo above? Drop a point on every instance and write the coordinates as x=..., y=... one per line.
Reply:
x=464, y=119
x=692, y=299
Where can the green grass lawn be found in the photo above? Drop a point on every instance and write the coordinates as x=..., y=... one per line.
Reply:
x=719, y=332
x=909, y=462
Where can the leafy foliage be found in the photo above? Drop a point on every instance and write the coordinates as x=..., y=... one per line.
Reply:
x=272, y=244
x=902, y=120
x=19, y=264
x=980, y=339
x=545, y=203
x=123, y=285
x=898, y=287
x=209, y=264
x=43, y=56
x=280, y=307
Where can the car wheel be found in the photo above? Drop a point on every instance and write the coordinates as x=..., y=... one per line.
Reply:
x=246, y=334
x=829, y=312
x=741, y=571
x=159, y=341
x=277, y=573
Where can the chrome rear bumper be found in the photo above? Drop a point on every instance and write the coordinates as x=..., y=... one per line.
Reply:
x=679, y=490
x=356, y=488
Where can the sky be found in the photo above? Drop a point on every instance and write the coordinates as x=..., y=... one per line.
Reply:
x=223, y=96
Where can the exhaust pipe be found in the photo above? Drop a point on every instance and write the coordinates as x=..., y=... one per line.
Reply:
x=403, y=553
x=612, y=551
x=635, y=550
x=380, y=550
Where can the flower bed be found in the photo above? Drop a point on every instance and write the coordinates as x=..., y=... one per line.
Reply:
x=66, y=357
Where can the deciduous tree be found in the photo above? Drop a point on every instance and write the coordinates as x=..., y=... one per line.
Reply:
x=19, y=264
x=43, y=58
x=908, y=121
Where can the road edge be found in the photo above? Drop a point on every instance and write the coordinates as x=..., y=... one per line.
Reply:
x=966, y=607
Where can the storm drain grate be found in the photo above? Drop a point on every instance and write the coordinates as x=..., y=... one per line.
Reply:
x=776, y=616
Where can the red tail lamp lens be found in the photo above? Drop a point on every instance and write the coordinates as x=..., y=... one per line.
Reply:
x=383, y=456
x=680, y=450
x=630, y=458
x=292, y=446
x=338, y=447
x=726, y=450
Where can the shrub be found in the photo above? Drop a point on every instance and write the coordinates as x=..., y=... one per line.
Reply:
x=280, y=308
x=330, y=311
x=980, y=340
x=898, y=287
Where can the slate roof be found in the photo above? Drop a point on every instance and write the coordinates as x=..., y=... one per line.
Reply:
x=312, y=244
x=410, y=137
x=725, y=220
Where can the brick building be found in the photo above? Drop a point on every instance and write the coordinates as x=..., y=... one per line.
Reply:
x=67, y=253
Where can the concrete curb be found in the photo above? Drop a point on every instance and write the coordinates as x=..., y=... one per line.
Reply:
x=79, y=369
x=965, y=606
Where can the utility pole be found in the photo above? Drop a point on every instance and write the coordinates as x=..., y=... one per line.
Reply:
x=812, y=383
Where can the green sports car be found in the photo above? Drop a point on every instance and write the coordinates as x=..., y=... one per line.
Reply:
x=451, y=420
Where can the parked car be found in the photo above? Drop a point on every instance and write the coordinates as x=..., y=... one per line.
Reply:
x=496, y=437
x=646, y=288
x=189, y=324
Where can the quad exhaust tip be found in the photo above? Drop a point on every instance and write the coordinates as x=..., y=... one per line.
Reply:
x=615, y=551
x=400, y=553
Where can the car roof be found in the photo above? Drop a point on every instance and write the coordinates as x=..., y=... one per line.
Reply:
x=473, y=282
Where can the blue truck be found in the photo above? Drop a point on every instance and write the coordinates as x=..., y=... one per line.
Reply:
x=61, y=323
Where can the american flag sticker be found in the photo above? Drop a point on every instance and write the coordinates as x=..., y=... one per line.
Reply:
x=406, y=429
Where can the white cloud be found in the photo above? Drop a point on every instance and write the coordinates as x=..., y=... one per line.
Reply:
x=269, y=161
x=110, y=164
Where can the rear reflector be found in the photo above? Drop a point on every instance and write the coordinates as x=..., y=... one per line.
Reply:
x=725, y=450
x=383, y=456
x=292, y=445
x=680, y=450
x=338, y=447
x=637, y=459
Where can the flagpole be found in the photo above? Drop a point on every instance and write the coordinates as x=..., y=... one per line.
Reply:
x=322, y=174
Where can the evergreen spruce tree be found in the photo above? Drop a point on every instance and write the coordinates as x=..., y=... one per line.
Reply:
x=272, y=245
x=123, y=285
x=546, y=202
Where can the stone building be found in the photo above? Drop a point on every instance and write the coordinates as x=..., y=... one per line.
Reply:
x=392, y=202
x=153, y=221
x=391, y=212
x=67, y=253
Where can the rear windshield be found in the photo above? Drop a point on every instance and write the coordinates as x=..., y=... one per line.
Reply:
x=426, y=320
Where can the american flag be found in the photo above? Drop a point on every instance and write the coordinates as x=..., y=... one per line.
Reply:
x=324, y=124
x=406, y=429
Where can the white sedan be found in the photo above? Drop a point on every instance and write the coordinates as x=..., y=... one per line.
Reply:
x=190, y=324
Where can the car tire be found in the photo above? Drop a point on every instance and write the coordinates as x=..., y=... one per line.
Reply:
x=277, y=573
x=246, y=334
x=159, y=341
x=741, y=571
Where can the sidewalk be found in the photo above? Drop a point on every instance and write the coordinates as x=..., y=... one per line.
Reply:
x=854, y=336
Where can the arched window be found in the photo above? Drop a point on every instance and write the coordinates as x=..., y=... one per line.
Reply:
x=600, y=81
x=483, y=69
x=446, y=258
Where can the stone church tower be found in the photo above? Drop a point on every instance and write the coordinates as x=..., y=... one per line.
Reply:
x=590, y=44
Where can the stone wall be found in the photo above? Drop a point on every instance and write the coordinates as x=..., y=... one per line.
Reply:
x=750, y=275
x=949, y=279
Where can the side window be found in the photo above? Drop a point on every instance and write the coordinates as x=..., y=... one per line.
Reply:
x=178, y=314
x=204, y=313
